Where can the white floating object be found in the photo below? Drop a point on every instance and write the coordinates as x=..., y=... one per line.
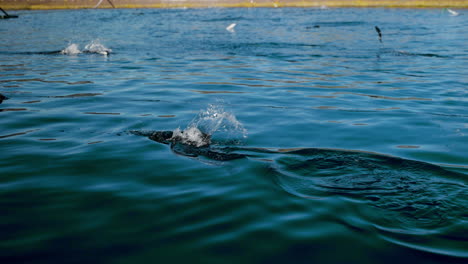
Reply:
x=231, y=27
x=452, y=12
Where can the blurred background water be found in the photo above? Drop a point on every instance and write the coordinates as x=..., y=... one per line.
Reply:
x=356, y=149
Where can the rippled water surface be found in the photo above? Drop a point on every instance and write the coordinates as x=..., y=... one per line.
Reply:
x=320, y=144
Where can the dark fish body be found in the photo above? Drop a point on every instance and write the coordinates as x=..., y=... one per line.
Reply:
x=162, y=136
x=2, y=97
x=167, y=137
x=193, y=149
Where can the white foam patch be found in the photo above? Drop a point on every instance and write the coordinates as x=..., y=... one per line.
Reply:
x=72, y=49
x=231, y=27
x=453, y=12
x=97, y=47
x=191, y=136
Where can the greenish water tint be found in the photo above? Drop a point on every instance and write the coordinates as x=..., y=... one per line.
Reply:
x=346, y=150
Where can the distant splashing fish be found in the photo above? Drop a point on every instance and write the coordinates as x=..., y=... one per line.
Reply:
x=452, y=12
x=379, y=32
x=191, y=143
x=196, y=140
x=91, y=48
x=231, y=27
x=98, y=48
x=191, y=137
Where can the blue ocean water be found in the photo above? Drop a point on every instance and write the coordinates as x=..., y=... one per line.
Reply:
x=326, y=145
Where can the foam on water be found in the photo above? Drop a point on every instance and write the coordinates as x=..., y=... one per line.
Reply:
x=191, y=136
x=93, y=47
x=96, y=47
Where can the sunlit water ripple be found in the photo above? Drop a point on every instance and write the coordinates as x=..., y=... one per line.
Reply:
x=326, y=145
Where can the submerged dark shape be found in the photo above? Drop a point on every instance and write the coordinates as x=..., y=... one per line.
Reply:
x=413, y=191
x=183, y=146
x=379, y=32
x=2, y=97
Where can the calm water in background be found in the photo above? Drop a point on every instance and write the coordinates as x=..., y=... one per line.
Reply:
x=290, y=86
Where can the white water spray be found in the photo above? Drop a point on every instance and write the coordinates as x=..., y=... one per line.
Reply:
x=191, y=136
x=93, y=47
x=452, y=12
x=213, y=122
x=72, y=49
x=231, y=27
x=97, y=47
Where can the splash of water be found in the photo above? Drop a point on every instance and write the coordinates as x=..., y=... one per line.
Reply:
x=213, y=122
x=93, y=47
x=72, y=49
x=231, y=27
x=215, y=119
x=452, y=12
x=96, y=47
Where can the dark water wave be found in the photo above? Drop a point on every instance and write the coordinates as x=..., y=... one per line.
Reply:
x=394, y=52
x=409, y=203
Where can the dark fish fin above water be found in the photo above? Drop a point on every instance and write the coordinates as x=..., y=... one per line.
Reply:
x=379, y=32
